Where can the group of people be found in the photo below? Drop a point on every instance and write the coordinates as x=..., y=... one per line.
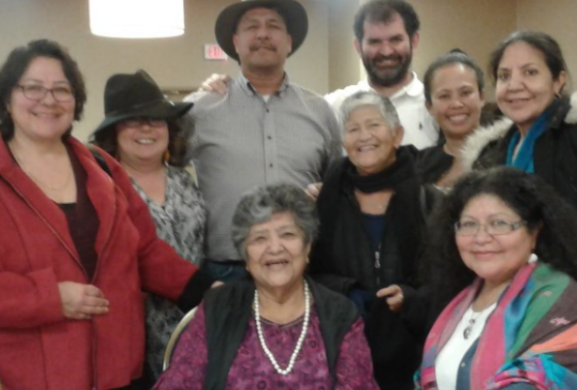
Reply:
x=437, y=253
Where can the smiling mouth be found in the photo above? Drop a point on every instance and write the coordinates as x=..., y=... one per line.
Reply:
x=276, y=263
x=366, y=148
x=458, y=118
x=49, y=115
x=145, y=141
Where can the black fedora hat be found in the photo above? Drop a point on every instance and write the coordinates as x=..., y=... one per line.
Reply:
x=136, y=95
x=293, y=12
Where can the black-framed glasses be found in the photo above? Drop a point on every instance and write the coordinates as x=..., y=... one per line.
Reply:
x=494, y=227
x=141, y=121
x=61, y=94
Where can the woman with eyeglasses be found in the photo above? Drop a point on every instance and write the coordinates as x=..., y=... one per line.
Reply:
x=142, y=130
x=503, y=247
x=77, y=244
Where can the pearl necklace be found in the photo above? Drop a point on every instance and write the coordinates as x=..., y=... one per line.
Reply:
x=300, y=340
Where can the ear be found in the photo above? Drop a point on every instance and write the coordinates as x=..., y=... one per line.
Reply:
x=399, y=134
x=415, y=41
x=559, y=84
x=358, y=47
x=429, y=107
x=290, y=42
x=235, y=42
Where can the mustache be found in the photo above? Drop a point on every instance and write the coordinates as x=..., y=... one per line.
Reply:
x=380, y=58
x=262, y=45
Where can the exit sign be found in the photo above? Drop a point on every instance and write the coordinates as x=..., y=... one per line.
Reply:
x=214, y=52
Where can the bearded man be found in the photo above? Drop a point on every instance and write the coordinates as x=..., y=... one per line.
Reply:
x=386, y=36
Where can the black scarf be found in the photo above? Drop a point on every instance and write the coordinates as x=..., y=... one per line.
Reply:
x=388, y=179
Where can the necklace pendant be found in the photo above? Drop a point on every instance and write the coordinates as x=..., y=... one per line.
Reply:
x=467, y=332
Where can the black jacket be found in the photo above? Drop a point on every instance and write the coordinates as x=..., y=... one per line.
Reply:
x=228, y=310
x=554, y=156
x=342, y=259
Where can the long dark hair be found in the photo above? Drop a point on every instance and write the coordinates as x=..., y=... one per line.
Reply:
x=528, y=195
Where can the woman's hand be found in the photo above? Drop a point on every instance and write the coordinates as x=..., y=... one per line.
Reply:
x=81, y=301
x=218, y=283
x=313, y=190
x=394, y=296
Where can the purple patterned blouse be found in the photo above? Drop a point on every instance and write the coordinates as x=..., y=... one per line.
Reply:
x=251, y=368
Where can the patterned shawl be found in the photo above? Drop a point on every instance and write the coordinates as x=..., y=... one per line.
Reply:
x=531, y=337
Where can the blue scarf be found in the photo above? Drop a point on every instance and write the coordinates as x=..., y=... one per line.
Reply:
x=524, y=158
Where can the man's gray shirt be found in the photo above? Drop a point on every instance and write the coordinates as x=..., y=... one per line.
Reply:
x=241, y=141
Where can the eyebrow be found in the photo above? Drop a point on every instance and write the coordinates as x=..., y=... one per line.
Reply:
x=528, y=64
x=42, y=82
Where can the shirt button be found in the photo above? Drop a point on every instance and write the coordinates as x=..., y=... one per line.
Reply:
x=463, y=365
x=271, y=165
x=267, y=110
x=269, y=137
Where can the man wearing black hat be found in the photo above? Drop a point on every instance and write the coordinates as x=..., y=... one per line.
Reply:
x=265, y=129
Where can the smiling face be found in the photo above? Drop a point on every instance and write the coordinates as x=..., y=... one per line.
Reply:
x=456, y=101
x=494, y=258
x=525, y=86
x=369, y=142
x=276, y=252
x=142, y=141
x=387, y=50
x=46, y=119
x=262, y=40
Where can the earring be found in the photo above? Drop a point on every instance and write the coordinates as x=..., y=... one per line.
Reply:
x=533, y=258
x=166, y=156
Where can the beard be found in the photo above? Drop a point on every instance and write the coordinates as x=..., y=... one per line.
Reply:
x=390, y=75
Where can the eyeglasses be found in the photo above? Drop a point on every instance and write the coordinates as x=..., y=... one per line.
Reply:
x=139, y=122
x=38, y=92
x=494, y=227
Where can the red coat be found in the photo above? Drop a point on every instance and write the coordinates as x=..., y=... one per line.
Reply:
x=39, y=348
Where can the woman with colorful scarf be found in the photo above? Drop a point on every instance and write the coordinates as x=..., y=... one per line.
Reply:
x=539, y=134
x=503, y=244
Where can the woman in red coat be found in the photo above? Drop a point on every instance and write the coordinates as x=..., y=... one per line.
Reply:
x=77, y=244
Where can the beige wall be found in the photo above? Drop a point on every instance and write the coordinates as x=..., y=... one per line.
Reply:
x=557, y=18
x=172, y=62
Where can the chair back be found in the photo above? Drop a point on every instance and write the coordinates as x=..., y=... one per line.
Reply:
x=174, y=338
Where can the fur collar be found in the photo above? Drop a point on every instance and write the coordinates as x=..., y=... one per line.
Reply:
x=482, y=136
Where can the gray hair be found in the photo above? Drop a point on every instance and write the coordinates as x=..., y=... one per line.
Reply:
x=259, y=205
x=370, y=98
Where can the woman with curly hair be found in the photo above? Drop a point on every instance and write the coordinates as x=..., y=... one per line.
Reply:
x=503, y=247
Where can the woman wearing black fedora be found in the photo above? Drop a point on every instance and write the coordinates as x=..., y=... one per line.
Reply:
x=141, y=129
x=78, y=246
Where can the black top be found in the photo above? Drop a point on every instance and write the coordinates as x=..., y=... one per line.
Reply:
x=82, y=220
x=343, y=260
x=432, y=163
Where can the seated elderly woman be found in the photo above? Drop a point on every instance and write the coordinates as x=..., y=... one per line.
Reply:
x=248, y=334
x=371, y=210
x=503, y=245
